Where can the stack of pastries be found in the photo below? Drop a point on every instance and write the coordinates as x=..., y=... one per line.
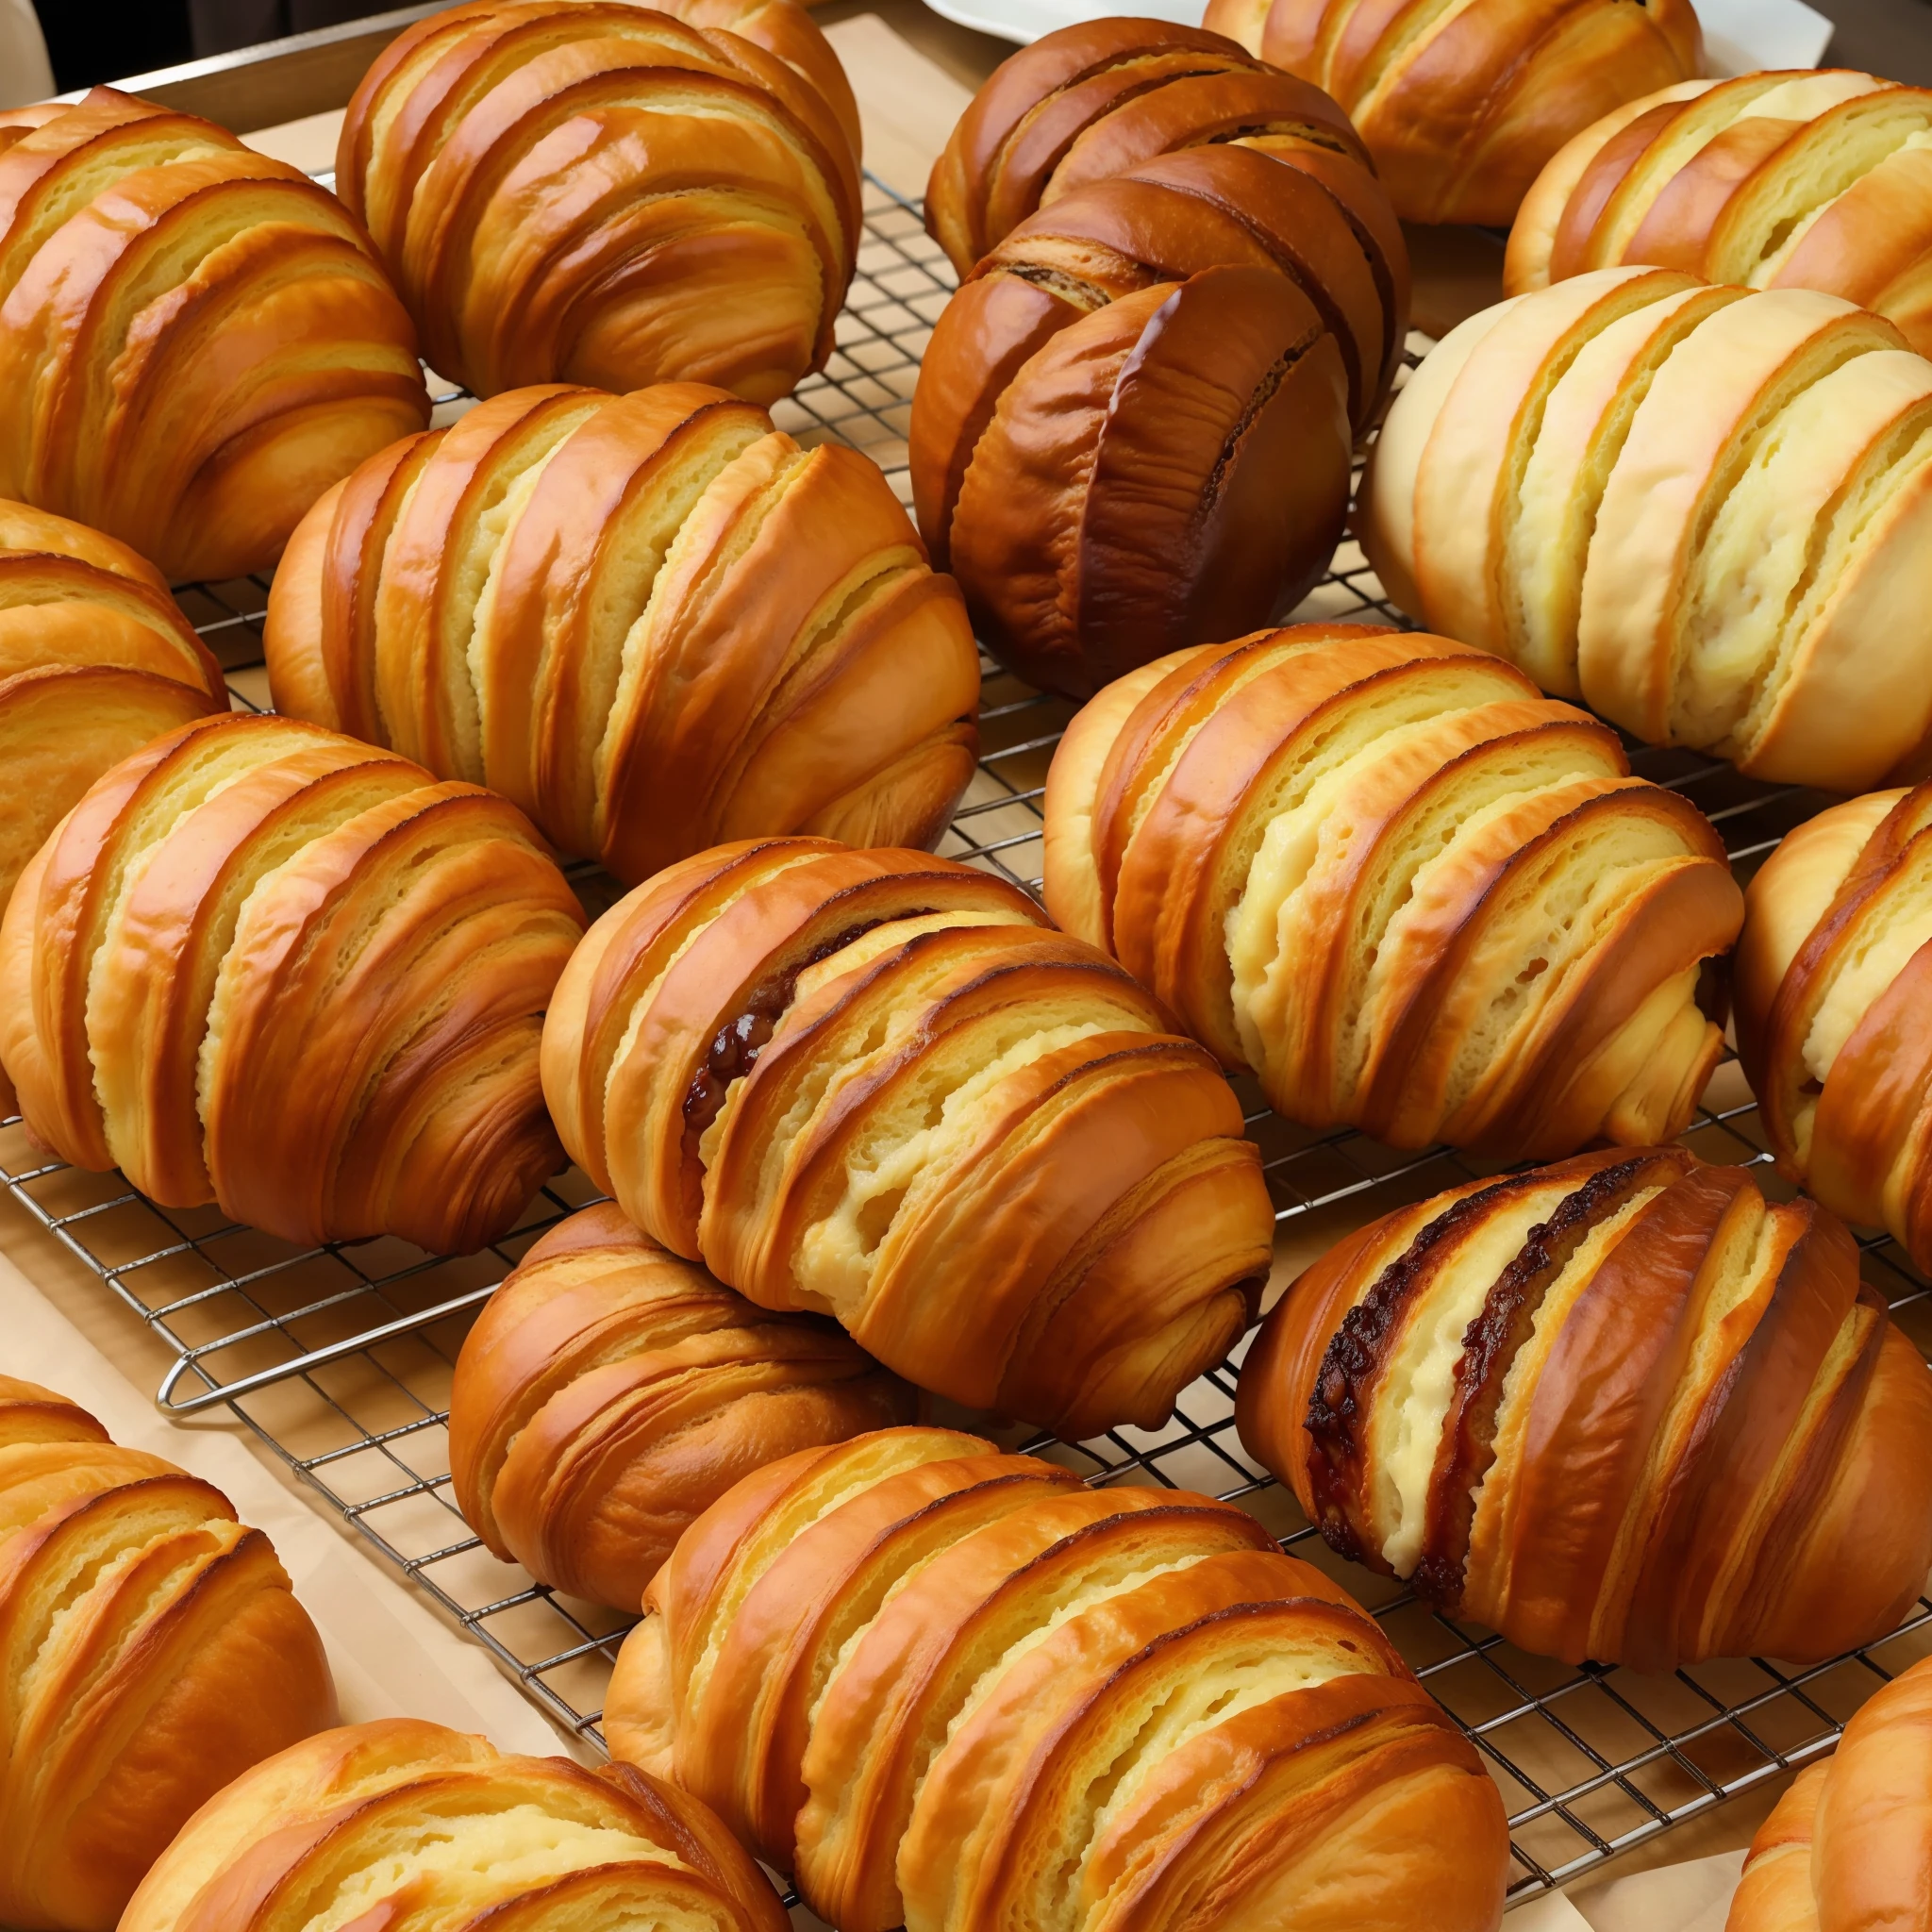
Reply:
x=1707, y=510
x=879, y=1086
x=260, y=965
x=611, y=194
x=1797, y=180
x=1412, y=894
x=954, y=1690
x=1133, y=424
x=152, y=1650
x=651, y=621
x=610, y=1391
x=194, y=340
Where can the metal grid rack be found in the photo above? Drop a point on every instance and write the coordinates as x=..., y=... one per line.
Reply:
x=340, y=1359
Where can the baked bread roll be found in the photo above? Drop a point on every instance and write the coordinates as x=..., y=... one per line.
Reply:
x=954, y=1690
x=1709, y=512
x=1797, y=180
x=1850, y=1844
x=1462, y=105
x=879, y=1086
x=195, y=341
x=1411, y=895
x=152, y=1651
x=609, y=1392
x=96, y=659
x=263, y=965
x=651, y=621
x=1830, y=974
x=1621, y=1408
x=608, y=194
x=401, y=1822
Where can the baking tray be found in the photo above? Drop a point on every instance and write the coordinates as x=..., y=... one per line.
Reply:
x=339, y=1358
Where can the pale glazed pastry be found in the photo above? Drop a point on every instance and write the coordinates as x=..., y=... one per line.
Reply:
x=611, y=194
x=610, y=1391
x=1793, y=180
x=956, y=1691
x=150, y=1651
x=1412, y=894
x=263, y=965
x=1624, y=1409
x=407, y=1824
x=651, y=621
x=195, y=341
x=879, y=1086
x=1462, y=105
x=1707, y=511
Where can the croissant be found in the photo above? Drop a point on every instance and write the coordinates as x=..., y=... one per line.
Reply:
x=1134, y=422
x=150, y=1650
x=1706, y=512
x=652, y=621
x=260, y=965
x=1850, y=1844
x=1411, y=895
x=1829, y=975
x=878, y=1085
x=955, y=1689
x=400, y=1823
x=607, y=194
x=1462, y=105
x=1621, y=1408
x=1796, y=180
x=195, y=341
x=96, y=659
x=610, y=1391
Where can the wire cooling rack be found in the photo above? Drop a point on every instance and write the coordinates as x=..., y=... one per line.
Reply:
x=339, y=1358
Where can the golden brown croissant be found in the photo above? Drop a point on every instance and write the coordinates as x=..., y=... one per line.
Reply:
x=1462, y=105
x=409, y=1825
x=1412, y=894
x=955, y=1690
x=1850, y=1844
x=96, y=659
x=195, y=341
x=651, y=621
x=608, y=194
x=610, y=1391
x=261, y=964
x=1621, y=1408
x=1707, y=511
x=1134, y=422
x=1831, y=974
x=879, y=1086
x=1797, y=180
x=150, y=1651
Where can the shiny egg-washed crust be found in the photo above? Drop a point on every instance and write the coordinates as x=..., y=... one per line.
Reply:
x=955, y=1690
x=878, y=1085
x=1134, y=422
x=1778, y=180
x=1705, y=510
x=1833, y=973
x=195, y=341
x=610, y=1391
x=416, y=1829
x=1849, y=1846
x=96, y=659
x=1410, y=894
x=150, y=1651
x=261, y=964
x=611, y=194
x=652, y=621
x=1623, y=1409
x=1462, y=105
